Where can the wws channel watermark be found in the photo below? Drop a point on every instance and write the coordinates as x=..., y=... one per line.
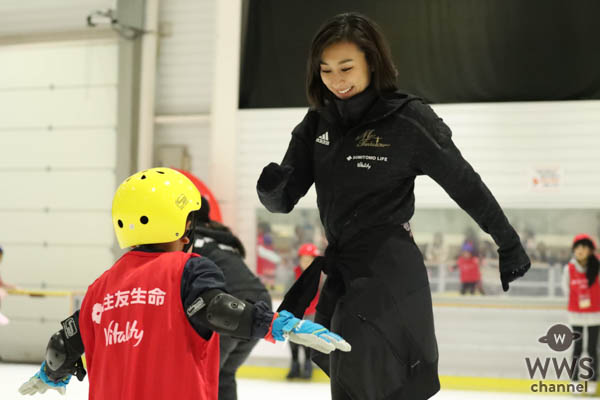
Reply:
x=560, y=338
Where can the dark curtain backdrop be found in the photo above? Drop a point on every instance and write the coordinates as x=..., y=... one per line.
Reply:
x=446, y=51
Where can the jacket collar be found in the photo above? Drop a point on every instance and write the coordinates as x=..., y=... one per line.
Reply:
x=225, y=240
x=385, y=105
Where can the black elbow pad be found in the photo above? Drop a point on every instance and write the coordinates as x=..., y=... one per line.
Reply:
x=56, y=353
x=225, y=311
x=64, y=350
x=222, y=313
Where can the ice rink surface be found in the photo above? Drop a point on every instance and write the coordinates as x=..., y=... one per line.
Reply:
x=12, y=375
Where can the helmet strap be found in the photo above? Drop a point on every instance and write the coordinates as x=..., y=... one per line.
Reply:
x=190, y=233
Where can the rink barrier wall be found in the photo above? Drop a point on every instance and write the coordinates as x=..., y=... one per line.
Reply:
x=471, y=383
x=481, y=336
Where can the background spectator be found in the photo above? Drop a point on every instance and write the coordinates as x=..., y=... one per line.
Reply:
x=470, y=276
x=580, y=282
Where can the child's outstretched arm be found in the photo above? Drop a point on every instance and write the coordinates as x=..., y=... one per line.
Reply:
x=209, y=306
x=63, y=359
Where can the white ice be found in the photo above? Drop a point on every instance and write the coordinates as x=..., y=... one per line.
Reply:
x=12, y=375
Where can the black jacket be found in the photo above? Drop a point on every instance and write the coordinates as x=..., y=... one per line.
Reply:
x=364, y=175
x=363, y=155
x=226, y=251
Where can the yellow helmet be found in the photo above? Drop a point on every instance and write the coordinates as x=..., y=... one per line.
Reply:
x=152, y=206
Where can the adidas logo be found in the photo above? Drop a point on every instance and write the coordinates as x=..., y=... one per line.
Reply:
x=323, y=139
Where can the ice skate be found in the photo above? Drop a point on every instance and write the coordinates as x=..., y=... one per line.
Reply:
x=307, y=372
x=294, y=370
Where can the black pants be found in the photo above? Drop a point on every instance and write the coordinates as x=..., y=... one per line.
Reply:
x=233, y=354
x=470, y=287
x=592, y=349
x=295, y=352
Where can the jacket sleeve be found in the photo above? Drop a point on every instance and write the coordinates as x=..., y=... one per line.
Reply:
x=281, y=186
x=436, y=155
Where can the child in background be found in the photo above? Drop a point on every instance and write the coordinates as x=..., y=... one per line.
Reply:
x=306, y=254
x=580, y=284
x=468, y=264
x=3, y=292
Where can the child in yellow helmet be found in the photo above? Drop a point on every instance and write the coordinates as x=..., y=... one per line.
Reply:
x=150, y=325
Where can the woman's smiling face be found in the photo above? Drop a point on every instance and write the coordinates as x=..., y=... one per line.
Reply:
x=344, y=70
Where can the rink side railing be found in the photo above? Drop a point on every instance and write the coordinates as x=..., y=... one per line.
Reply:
x=480, y=347
x=542, y=280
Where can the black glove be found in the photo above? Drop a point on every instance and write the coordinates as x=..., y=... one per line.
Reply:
x=514, y=263
x=273, y=175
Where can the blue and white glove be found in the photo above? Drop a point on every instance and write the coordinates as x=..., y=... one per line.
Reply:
x=307, y=333
x=40, y=382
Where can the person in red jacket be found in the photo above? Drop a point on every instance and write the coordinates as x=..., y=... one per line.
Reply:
x=580, y=284
x=149, y=325
x=468, y=265
x=306, y=254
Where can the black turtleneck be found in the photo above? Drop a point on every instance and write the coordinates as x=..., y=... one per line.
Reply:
x=351, y=111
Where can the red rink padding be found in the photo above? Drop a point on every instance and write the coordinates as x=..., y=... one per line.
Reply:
x=215, y=211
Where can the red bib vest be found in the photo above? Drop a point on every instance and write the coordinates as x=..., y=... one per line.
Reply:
x=581, y=297
x=469, y=269
x=138, y=341
x=312, y=308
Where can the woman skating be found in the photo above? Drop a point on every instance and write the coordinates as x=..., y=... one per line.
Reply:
x=362, y=143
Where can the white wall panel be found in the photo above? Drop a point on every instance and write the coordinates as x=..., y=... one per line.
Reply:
x=24, y=17
x=57, y=148
x=195, y=137
x=55, y=308
x=57, y=160
x=186, y=56
x=70, y=64
x=54, y=267
x=25, y=339
x=503, y=142
x=89, y=107
x=57, y=228
x=57, y=190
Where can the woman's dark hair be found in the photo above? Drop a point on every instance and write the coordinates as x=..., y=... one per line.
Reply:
x=364, y=33
x=592, y=269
